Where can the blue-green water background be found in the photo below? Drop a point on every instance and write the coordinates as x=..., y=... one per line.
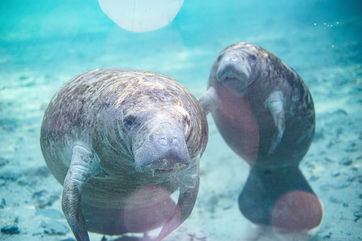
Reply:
x=75, y=35
x=45, y=43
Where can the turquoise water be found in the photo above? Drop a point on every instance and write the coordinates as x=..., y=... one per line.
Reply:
x=43, y=44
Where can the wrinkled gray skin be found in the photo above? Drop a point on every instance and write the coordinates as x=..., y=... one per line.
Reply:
x=265, y=113
x=107, y=133
x=247, y=81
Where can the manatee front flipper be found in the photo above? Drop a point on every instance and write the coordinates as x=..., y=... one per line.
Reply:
x=84, y=165
x=275, y=104
x=208, y=100
x=185, y=204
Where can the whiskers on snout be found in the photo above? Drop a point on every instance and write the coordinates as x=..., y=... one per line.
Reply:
x=167, y=165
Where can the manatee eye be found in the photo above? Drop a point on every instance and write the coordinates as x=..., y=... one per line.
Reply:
x=252, y=58
x=129, y=121
x=186, y=121
x=219, y=57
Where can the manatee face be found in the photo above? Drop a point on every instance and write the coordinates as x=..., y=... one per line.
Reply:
x=238, y=66
x=157, y=137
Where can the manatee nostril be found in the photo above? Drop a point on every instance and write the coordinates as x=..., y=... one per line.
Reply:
x=174, y=141
x=168, y=141
x=163, y=141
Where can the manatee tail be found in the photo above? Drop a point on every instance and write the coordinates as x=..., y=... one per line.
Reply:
x=280, y=197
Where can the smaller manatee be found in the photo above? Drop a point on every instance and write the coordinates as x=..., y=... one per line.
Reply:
x=265, y=113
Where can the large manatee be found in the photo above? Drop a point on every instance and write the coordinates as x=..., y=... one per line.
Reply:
x=121, y=142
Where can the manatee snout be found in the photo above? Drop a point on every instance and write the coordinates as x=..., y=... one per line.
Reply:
x=163, y=150
x=233, y=70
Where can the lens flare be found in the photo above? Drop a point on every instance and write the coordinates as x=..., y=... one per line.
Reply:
x=141, y=15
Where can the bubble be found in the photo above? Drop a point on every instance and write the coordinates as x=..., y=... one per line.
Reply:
x=147, y=208
x=297, y=210
x=141, y=15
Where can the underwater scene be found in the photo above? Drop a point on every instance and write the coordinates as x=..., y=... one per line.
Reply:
x=184, y=120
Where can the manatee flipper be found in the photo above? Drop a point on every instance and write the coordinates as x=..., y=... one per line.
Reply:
x=280, y=197
x=208, y=100
x=275, y=104
x=83, y=165
x=185, y=204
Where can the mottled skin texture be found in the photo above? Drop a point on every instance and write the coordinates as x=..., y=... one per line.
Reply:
x=265, y=113
x=111, y=113
x=268, y=74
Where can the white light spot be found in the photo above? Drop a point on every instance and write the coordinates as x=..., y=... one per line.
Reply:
x=141, y=15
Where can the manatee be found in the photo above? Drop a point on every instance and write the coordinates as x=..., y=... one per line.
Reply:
x=265, y=113
x=121, y=142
